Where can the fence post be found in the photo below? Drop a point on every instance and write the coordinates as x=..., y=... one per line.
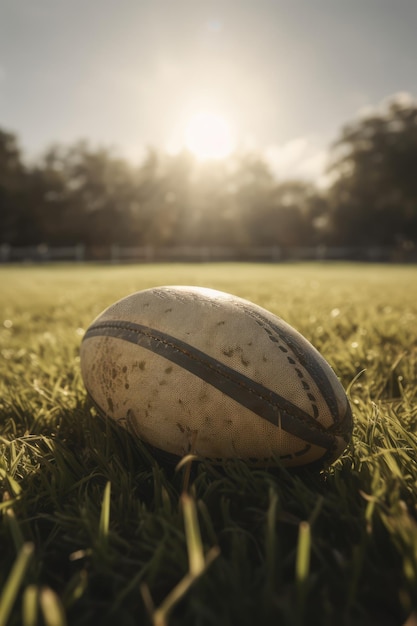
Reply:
x=80, y=252
x=5, y=250
x=149, y=253
x=276, y=254
x=115, y=253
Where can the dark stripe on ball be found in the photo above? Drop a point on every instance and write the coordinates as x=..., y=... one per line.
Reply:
x=310, y=364
x=247, y=392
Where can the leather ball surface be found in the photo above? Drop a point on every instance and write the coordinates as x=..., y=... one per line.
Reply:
x=190, y=369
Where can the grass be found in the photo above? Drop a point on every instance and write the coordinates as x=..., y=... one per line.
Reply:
x=95, y=530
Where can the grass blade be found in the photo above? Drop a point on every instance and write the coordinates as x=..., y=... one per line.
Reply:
x=302, y=567
x=52, y=609
x=14, y=581
x=30, y=606
x=193, y=536
x=270, y=539
x=105, y=515
x=15, y=531
x=198, y=563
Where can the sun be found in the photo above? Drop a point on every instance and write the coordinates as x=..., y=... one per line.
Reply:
x=208, y=136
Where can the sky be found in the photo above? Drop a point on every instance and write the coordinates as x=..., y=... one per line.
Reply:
x=286, y=75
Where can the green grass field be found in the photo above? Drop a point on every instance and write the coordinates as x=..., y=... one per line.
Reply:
x=95, y=531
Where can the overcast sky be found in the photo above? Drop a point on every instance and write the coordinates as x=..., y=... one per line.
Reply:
x=287, y=74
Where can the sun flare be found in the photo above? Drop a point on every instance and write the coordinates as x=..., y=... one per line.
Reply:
x=208, y=136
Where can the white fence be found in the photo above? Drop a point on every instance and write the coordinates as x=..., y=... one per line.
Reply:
x=149, y=254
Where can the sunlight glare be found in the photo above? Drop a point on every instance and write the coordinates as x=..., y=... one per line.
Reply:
x=208, y=136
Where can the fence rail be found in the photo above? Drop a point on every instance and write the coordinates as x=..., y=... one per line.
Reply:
x=150, y=254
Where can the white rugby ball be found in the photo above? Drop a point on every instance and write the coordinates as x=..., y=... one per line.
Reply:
x=189, y=369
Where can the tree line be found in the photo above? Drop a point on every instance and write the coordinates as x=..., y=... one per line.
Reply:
x=78, y=194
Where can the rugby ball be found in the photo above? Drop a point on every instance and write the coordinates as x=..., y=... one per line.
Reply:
x=189, y=369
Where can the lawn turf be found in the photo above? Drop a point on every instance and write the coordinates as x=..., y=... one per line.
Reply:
x=94, y=529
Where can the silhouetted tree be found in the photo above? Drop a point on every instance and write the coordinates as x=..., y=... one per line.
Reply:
x=296, y=205
x=252, y=185
x=275, y=213
x=215, y=219
x=12, y=182
x=99, y=192
x=46, y=200
x=373, y=198
x=168, y=206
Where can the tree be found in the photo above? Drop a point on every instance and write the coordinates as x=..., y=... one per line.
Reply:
x=78, y=194
x=82, y=195
x=280, y=214
x=166, y=197
x=46, y=200
x=373, y=198
x=12, y=175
